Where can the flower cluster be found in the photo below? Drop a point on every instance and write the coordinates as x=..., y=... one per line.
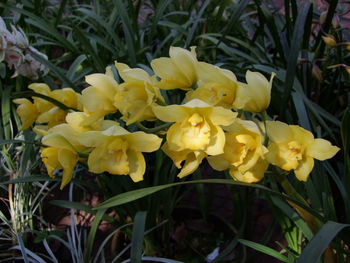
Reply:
x=18, y=54
x=205, y=126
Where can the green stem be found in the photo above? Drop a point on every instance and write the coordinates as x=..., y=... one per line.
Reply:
x=311, y=220
x=155, y=129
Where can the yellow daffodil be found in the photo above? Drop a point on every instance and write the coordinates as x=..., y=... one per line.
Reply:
x=254, y=96
x=117, y=151
x=216, y=86
x=27, y=112
x=55, y=115
x=243, y=152
x=178, y=71
x=294, y=148
x=43, y=111
x=196, y=130
x=136, y=95
x=98, y=98
x=62, y=152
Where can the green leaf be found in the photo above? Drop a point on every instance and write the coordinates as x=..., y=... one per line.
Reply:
x=73, y=69
x=294, y=52
x=264, y=249
x=43, y=25
x=138, y=232
x=128, y=31
x=196, y=22
x=6, y=111
x=139, y=193
x=92, y=234
x=313, y=251
x=58, y=71
x=345, y=135
x=85, y=43
x=29, y=179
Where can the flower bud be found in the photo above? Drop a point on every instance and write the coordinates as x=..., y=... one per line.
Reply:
x=329, y=40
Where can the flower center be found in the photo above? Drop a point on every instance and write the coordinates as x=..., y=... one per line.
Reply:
x=196, y=132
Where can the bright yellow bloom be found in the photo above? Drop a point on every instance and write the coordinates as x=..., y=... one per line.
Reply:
x=97, y=99
x=136, y=95
x=216, y=86
x=196, y=131
x=254, y=96
x=62, y=151
x=27, y=112
x=294, y=148
x=117, y=151
x=43, y=111
x=243, y=152
x=178, y=71
x=55, y=115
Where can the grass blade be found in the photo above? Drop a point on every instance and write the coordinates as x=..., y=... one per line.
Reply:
x=313, y=251
x=294, y=53
x=139, y=193
x=91, y=238
x=138, y=232
x=264, y=249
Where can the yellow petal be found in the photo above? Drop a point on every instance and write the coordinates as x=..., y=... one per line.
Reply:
x=27, y=112
x=68, y=160
x=107, y=157
x=103, y=83
x=169, y=84
x=49, y=157
x=260, y=91
x=222, y=116
x=176, y=156
x=321, y=149
x=132, y=74
x=58, y=141
x=94, y=100
x=192, y=162
x=167, y=69
x=255, y=174
x=143, y=142
x=210, y=73
x=92, y=138
x=172, y=113
x=304, y=169
x=137, y=165
x=174, y=138
x=217, y=141
x=185, y=61
x=218, y=162
x=301, y=135
x=41, y=88
x=278, y=131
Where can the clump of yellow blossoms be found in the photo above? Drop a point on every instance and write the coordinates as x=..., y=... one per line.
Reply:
x=204, y=126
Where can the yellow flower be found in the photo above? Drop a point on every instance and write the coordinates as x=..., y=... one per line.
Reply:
x=294, y=148
x=62, y=151
x=43, y=111
x=117, y=151
x=216, y=86
x=254, y=96
x=243, y=152
x=97, y=99
x=27, y=112
x=196, y=131
x=135, y=96
x=178, y=71
x=55, y=115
